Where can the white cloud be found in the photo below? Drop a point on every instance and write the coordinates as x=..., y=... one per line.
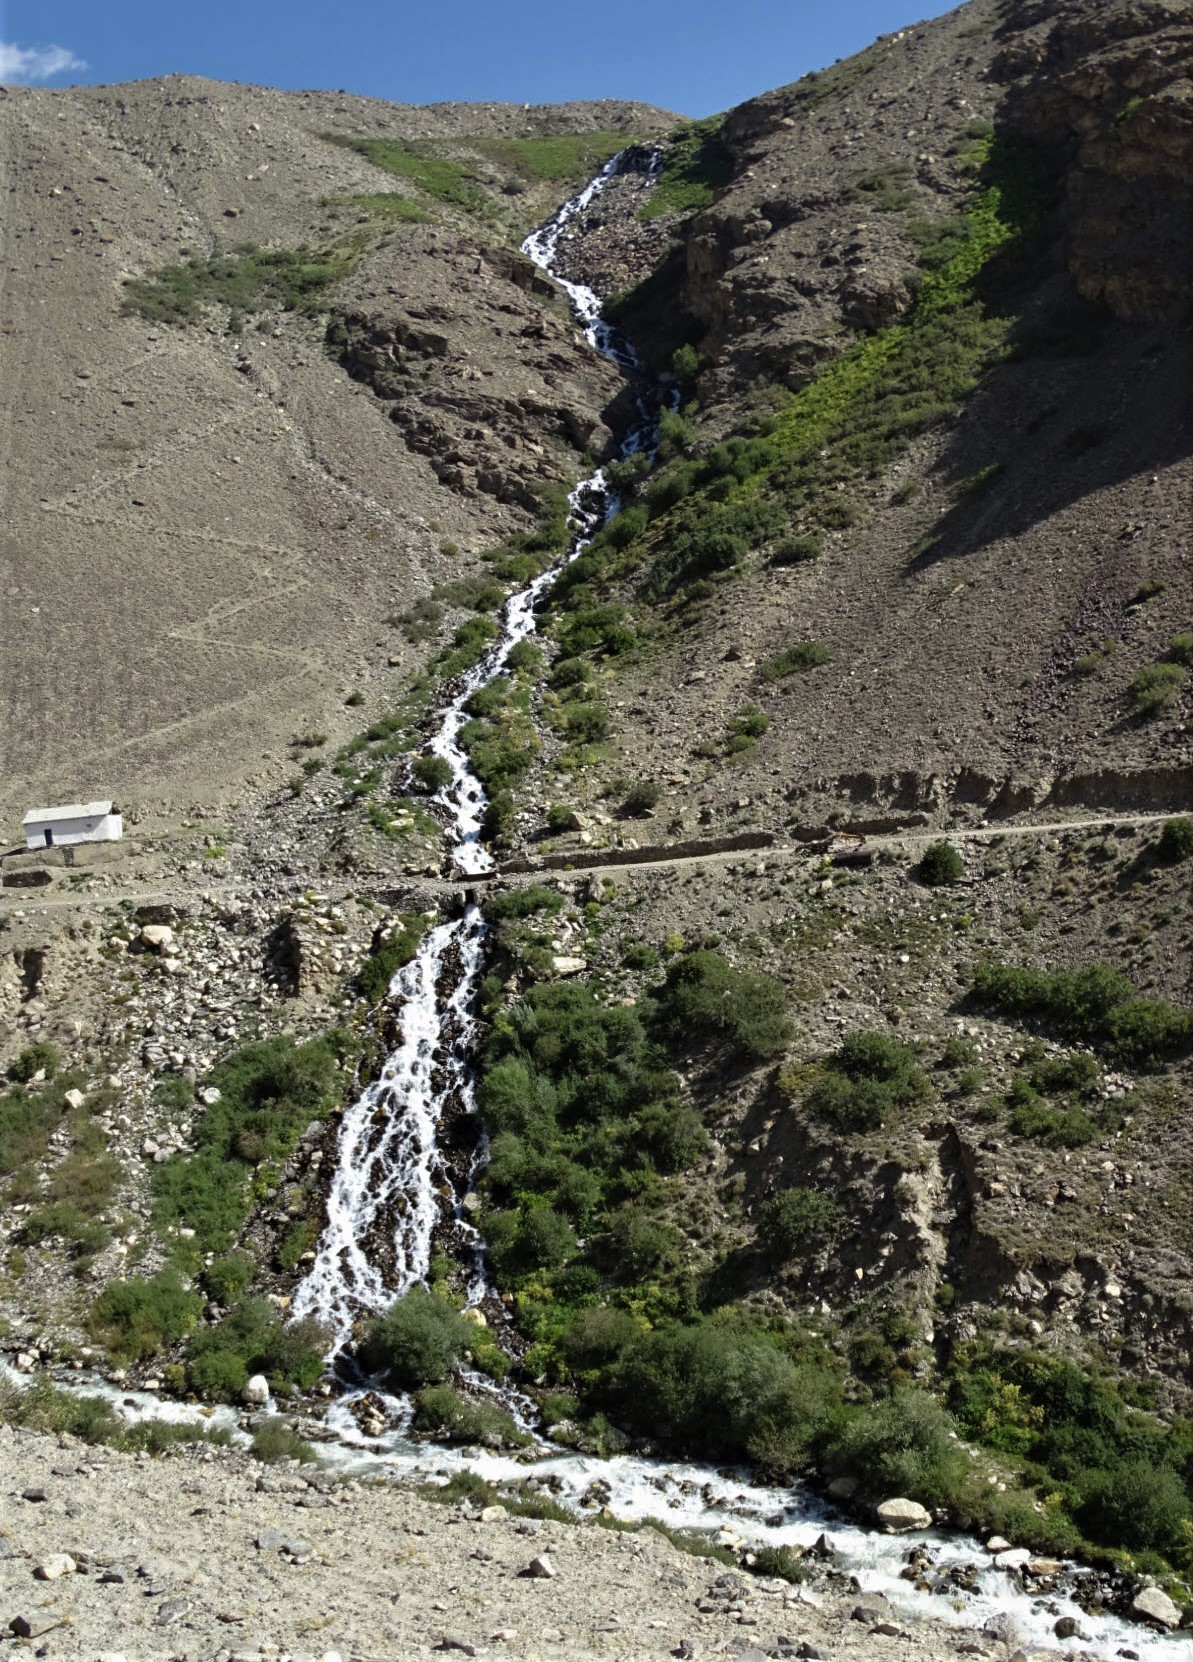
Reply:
x=35, y=63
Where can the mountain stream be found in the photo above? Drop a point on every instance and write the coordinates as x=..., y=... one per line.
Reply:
x=385, y=1200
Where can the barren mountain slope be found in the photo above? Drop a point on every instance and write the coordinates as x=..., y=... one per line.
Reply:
x=205, y=524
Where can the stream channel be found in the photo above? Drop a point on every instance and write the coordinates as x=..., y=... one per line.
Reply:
x=384, y=1202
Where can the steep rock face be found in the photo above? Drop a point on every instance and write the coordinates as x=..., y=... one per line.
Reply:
x=498, y=390
x=1110, y=89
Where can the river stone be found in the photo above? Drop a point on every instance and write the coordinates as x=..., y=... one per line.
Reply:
x=900, y=1515
x=256, y=1392
x=998, y=1543
x=1068, y=1627
x=59, y=1564
x=1154, y=1606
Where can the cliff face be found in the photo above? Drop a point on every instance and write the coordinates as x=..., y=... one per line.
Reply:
x=1110, y=92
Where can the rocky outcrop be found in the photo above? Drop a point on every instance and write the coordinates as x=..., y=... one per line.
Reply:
x=1109, y=90
x=481, y=373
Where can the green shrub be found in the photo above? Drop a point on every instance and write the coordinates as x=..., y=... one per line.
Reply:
x=1032, y=1116
x=274, y=1441
x=1155, y=689
x=586, y=723
x=795, y=659
x=1180, y=650
x=252, y=1339
x=906, y=1445
x=270, y=1092
x=1176, y=841
x=417, y=1341
x=641, y=798
x=523, y=903
x=940, y=864
x=705, y=994
x=871, y=1078
x=639, y=1245
x=392, y=953
x=226, y=1278
x=794, y=551
x=433, y=773
x=441, y=1412
x=136, y=1319
x=1137, y=1506
x=1097, y=1006
x=34, y=1059
x=789, y=1220
x=639, y=955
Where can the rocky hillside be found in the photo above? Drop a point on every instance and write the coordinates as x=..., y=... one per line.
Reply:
x=836, y=1022
x=207, y=521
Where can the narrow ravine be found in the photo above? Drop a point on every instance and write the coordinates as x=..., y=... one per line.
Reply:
x=386, y=1200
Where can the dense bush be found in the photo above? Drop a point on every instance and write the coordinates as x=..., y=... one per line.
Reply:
x=1124, y=1475
x=270, y=1092
x=1176, y=841
x=441, y=1412
x=790, y=1220
x=247, y=279
x=939, y=865
x=523, y=903
x=1155, y=689
x=906, y=1445
x=253, y=1339
x=432, y=772
x=1097, y=1006
x=226, y=1278
x=705, y=997
x=871, y=1078
x=416, y=1342
x=727, y=1386
x=135, y=1319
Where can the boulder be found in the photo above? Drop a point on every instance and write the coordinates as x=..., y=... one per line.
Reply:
x=156, y=937
x=1153, y=1605
x=540, y=1568
x=74, y=1098
x=60, y=1564
x=898, y=1516
x=256, y=1391
x=569, y=966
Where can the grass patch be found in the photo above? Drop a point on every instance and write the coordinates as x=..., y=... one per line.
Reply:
x=439, y=176
x=553, y=157
x=793, y=660
x=246, y=279
x=388, y=205
x=696, y=164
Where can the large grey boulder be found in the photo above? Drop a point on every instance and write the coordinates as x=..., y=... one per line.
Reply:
x=1153, y=1605
x=898, y=1516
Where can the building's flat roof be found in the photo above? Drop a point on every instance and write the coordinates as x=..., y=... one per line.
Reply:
x=71, y=810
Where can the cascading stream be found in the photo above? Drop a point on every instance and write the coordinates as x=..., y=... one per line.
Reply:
x=384, y=1201
x=386, y=1195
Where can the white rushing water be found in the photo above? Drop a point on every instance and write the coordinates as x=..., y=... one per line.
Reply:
x=387, y=1197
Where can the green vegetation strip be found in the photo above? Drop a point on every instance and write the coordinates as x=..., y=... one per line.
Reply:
x=245, y=279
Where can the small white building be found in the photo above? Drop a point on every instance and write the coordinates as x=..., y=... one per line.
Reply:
x=76, y=822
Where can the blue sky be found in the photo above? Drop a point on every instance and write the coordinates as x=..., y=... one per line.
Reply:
x=693, y=56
